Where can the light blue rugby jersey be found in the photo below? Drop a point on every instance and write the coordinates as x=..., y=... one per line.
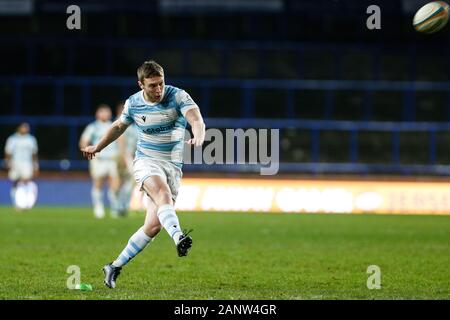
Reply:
x=21, y=147
x=94, y=132
x=161, y=126
x=131, y=138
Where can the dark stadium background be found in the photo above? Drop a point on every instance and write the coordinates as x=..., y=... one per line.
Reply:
x=348, y=101
x=364, y=120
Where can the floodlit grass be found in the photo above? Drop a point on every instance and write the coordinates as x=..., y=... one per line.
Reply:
x=234, y=256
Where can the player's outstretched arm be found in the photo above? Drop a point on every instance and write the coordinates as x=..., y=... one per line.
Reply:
x=114, y=132
x=7, y=161
x=195, y=119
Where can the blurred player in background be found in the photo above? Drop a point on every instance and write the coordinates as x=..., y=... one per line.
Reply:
x=160, y=113
x=127, y=148
x=104, y=166
x=21, y=159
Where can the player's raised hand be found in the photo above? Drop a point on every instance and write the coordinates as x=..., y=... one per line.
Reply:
x=196, y=142
x=89, y=152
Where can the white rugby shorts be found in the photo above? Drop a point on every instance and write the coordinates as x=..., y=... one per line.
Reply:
x=144, y=168
x=20, y=171
x=100, y=168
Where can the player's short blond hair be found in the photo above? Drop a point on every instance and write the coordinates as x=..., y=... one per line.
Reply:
x=149, y=69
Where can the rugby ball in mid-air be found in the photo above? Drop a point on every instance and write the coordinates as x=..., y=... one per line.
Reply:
x=432, y=17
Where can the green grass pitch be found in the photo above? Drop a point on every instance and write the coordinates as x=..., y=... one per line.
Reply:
x=234, y=256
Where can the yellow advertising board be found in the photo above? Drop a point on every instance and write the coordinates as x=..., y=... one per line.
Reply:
x=312, y=196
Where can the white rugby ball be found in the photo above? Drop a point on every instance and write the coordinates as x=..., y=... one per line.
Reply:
x=432, y=17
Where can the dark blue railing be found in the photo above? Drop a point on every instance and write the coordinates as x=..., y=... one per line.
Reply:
x=246, y=86
x=73, y=161
x=246, y=101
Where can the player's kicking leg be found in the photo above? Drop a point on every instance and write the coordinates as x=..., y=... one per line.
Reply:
x=160, y=213
x=138, y=241
x=159, y=191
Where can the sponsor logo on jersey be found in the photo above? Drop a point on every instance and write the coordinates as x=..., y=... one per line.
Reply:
x=160, y=129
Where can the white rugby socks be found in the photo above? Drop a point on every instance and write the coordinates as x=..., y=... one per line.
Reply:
x=12, y=194
x=97, y=201
x=136, y=244
x=138, y=241
x=124, y=196
x=169, y=220
x=113, y=202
